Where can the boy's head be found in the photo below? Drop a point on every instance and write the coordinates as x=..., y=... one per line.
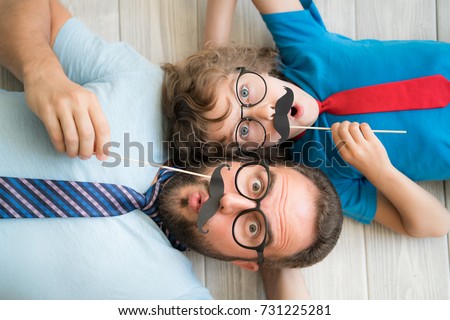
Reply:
x=219, y=97
x=285, y=215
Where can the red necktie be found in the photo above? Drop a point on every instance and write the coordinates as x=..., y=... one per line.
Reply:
x=415, y=94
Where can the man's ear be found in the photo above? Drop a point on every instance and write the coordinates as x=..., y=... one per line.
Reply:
x=249, y=265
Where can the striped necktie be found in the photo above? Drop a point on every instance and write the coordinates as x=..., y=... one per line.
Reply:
x=38, y=198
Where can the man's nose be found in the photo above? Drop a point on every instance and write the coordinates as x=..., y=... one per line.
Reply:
x=262, y=111
x=232, y=203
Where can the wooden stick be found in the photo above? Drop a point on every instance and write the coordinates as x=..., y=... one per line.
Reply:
x=169, y=168
x=329, y=129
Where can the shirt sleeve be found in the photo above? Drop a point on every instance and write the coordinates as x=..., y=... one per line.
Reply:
x=358, y=198
x=295, y=27
x=85, y=57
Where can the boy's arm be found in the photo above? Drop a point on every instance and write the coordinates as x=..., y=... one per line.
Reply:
x=270, y=6
x=402, y=205
x=284, y=284
x=72, y=115
x=219, y=18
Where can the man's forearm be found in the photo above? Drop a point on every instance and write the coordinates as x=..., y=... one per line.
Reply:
x=25, y=33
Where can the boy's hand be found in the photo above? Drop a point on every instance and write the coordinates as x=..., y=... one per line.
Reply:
x=361, y=148
x=71, y=114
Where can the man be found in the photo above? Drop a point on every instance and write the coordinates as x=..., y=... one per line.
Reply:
x=70, y=39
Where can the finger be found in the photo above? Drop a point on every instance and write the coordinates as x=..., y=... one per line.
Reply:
x=55, y=132
x=355, y=131
x=338, y=141
x=70, y=134
x=101, y=129
x=335, y=133
x=369, y=135
x=345, y=134
x=86, y=134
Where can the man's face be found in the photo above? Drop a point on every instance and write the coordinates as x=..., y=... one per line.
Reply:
x=288, y=206
x=267, y=94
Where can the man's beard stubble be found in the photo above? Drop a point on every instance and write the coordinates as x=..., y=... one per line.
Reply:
x=170, y=203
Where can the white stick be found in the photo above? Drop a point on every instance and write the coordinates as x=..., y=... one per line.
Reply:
x=169, y=168
x=329, y=129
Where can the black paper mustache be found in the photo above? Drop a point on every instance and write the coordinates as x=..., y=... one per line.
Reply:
x=210, y=207
x=282, y=108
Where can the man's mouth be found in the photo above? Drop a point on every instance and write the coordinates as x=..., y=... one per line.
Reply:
x=197, y=199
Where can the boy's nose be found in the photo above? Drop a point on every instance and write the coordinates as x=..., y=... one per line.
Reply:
x=262, y=111
x=233, y=203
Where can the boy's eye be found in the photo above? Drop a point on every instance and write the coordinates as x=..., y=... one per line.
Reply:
x=244, y=131
x=244, y=93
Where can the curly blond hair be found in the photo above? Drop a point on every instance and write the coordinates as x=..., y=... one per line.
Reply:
x=189, y=90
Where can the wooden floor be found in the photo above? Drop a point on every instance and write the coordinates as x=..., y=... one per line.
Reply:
x=369, y=262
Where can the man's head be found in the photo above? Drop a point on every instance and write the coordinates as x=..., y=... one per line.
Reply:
x=300, y=206
x=230, y=95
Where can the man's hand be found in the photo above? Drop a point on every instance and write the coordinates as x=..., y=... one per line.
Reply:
x=361, y=148
x=72, y=115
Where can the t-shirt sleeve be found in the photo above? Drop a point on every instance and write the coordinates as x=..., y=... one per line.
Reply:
x=85, y=57
x=294, y=28
x=358, y=198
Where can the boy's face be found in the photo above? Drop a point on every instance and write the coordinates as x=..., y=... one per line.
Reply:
x=260, y=107
x=289, y=207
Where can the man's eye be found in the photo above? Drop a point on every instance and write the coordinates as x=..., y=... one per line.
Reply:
x=253, y=228
x=256, y=186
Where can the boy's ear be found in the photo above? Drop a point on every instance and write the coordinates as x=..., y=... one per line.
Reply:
x=249, y=265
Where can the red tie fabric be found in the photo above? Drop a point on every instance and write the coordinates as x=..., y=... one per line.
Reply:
x=415, y=94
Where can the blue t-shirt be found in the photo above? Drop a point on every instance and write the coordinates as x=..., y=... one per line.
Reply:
x=323, y=63
x=126, y=257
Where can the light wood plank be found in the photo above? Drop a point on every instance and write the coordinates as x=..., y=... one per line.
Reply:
x=399, y=19
x=443, y=14
x=163, y=31
x=227, y=281
x=342, y=275
x=339, y=16
x=101, y=16
x=198, y=264
x=401, y=267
